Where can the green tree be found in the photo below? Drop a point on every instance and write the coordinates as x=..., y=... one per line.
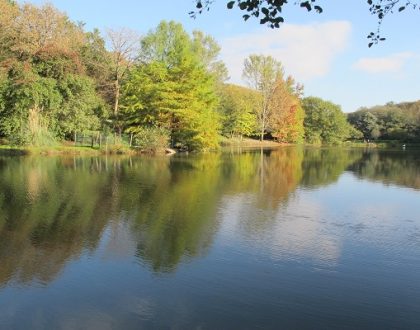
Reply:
x=207, y=50
x=324, y=121
x=366, y=122
x=45, y=92
x=238, y=106
x=98, y=65
x=172, y=88
x=29, y=102
x=81, y=108
x=388, y=122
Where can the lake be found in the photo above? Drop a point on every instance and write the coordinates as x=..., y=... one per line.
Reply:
x=288, y=238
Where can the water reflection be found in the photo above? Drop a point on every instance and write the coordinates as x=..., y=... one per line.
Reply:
x=48, y=215
x=390, y=167
x=324, y=166
x=165, y=211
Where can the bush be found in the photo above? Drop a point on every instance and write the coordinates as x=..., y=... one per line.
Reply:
x=34, y=132
x=152, y=139
x=113, y=144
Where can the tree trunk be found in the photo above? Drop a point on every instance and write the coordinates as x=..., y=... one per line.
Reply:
x=262, y=128
x=117, y=96
x=261, y=169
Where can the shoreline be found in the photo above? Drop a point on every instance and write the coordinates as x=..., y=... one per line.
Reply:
x=8, y=150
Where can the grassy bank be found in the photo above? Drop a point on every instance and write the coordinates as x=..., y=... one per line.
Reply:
x=247, y=142
x=64, y=150
x=122, y=149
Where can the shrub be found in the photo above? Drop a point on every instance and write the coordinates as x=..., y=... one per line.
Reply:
x=153, y=139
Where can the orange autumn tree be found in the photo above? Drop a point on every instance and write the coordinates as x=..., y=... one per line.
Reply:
x=286, y=120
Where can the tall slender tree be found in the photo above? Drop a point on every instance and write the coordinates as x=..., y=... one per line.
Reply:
x=124, y=45
x=261, y=73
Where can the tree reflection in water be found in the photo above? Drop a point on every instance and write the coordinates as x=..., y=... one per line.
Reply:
x=56, y=209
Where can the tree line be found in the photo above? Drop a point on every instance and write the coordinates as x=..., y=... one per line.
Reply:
x=167, y=87
x=388, y=122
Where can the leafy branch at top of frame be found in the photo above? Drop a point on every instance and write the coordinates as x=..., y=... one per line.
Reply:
x=270, y=12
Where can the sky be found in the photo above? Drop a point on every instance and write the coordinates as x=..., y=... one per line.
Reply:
x=326, y=52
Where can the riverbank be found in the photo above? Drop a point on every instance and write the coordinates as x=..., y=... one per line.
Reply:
x=8, y=150
x=382, y=144
x=68, y=149
x=62, y=150
x=248, y=143
x=119, y=149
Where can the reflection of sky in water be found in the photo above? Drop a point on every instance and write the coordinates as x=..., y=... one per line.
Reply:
x=316, y=223
x=294, y=231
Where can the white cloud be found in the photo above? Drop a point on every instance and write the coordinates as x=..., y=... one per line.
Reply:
x=306, y=51
x=388, y=64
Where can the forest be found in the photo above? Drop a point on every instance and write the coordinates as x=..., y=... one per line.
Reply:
x=392, y=121
x=168, y=88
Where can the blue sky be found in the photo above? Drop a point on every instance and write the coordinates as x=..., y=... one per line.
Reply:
x=327, y=52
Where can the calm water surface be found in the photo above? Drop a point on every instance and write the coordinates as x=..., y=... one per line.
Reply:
x=283, y=239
